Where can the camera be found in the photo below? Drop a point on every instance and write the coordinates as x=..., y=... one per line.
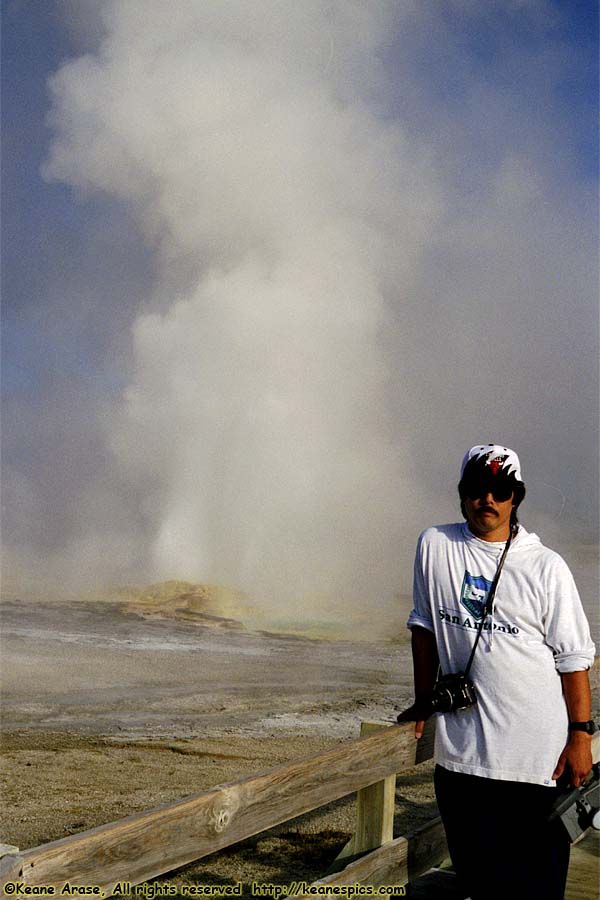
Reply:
x=452, y=692
x=578, y=809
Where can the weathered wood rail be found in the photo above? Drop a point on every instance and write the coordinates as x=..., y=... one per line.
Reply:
x=151, y=843
x=148, y=844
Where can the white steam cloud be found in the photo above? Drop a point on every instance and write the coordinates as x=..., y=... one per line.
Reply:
x=352, y=284
x=256, y=420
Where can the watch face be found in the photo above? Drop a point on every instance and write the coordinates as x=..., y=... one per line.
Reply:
x=588, y=727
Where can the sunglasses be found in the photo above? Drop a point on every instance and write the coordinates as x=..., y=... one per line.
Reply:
x=501, y=491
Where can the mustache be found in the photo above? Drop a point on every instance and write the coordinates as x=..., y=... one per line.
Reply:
x=489, y=509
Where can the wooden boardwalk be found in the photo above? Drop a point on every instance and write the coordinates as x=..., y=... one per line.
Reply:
x=583, y=882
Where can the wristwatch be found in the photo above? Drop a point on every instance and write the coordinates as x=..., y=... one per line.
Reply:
x=589, y=727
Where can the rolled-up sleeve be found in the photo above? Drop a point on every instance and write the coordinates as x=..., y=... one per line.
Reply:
x=567, y=628
x=420, y=615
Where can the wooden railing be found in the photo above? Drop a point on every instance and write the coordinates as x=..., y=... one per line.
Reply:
x=149, y=844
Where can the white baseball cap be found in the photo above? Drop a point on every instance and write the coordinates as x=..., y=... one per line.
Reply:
x=497, y=457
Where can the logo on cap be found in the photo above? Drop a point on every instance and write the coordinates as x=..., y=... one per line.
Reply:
x=496, y=463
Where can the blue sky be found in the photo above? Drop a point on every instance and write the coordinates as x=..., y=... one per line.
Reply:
x=498, y=298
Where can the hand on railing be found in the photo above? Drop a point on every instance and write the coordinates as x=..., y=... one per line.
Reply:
x=419, y=712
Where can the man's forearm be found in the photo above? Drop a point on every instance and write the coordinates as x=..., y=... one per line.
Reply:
x=425, y=662
x=578, y=696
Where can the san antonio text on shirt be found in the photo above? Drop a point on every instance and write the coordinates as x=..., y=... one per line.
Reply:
x=471, y=624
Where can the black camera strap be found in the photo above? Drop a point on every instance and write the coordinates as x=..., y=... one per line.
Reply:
x=489, y=603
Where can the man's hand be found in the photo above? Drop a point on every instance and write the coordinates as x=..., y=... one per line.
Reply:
x=418, y=713
x=576, y=759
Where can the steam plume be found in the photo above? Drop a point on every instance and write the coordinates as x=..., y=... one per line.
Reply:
x=356, y=275
x=256, y=421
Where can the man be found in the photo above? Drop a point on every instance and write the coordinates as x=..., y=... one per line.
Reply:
x=497, y=760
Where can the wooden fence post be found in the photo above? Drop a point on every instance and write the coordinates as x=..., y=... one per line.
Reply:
x=375, y=805
x=374, y=811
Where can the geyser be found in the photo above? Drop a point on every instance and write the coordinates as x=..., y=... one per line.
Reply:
x=282, y=210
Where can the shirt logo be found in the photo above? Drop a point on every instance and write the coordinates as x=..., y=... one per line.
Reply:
x=474, y=594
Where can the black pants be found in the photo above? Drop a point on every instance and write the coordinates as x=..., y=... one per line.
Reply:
x=500, y=843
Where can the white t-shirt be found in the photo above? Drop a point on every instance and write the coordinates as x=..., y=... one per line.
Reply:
x=519, y=726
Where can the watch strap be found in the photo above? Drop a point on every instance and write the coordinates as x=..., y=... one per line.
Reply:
x=589, y=727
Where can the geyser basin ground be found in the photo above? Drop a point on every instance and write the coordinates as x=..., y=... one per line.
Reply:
x=99, y=668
